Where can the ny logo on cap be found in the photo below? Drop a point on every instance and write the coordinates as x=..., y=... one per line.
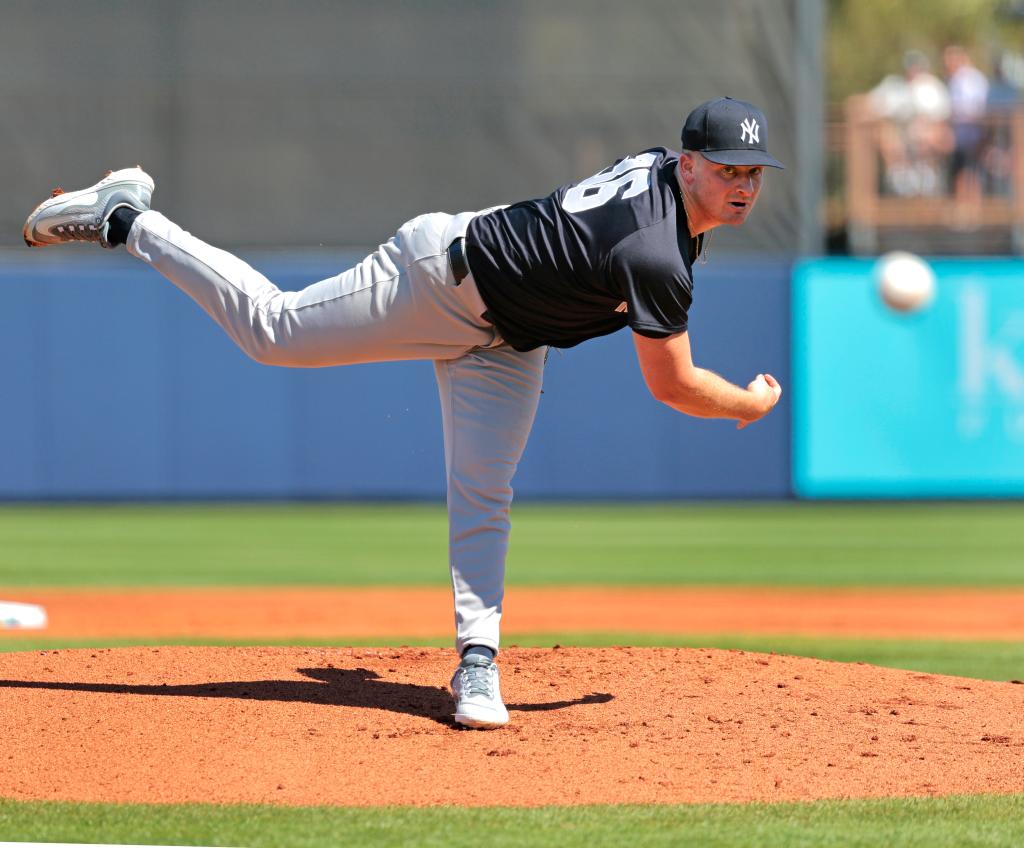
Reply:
x=750, y=129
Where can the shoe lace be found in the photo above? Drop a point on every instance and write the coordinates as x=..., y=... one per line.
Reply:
x=478, y=680
x=82, y=232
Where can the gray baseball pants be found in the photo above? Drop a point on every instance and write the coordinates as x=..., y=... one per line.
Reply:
x=401, y=302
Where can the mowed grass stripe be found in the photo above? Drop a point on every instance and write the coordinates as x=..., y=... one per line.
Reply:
x=781, y=544
x=1002, y=661
x=896, y=823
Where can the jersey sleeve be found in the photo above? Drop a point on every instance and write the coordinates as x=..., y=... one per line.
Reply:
x=655, y=283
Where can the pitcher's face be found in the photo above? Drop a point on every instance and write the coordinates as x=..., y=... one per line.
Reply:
x=718, y=194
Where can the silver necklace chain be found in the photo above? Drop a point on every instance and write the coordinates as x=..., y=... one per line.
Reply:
x=703, y=244
x=705, y=247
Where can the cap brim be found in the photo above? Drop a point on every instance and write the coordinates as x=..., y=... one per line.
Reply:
x=741, y=157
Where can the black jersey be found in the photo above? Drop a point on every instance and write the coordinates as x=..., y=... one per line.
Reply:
x=590, y=258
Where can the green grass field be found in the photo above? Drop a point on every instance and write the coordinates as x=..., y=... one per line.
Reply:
x=765, y=545
x=956, y=822
x=610, y=544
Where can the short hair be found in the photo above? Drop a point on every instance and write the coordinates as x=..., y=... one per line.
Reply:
x=916, y=59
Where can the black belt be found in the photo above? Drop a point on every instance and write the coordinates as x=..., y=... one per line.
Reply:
x=457, y=259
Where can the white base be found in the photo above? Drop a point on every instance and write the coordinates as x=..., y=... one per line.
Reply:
x=16, y=616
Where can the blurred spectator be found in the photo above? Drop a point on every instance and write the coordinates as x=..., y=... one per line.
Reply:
x=968, y=96
x=913, y=135
x=1003, y=98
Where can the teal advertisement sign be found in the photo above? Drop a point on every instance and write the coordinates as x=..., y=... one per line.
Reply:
x=922, y=404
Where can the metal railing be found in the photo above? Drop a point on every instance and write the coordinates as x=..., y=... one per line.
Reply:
x=879, y=202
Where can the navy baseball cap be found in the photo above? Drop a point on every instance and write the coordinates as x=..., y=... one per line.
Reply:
x=729, y=132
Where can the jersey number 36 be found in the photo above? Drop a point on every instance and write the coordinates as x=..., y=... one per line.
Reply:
x=633, y=172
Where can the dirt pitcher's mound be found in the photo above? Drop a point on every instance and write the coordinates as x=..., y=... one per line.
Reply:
x=356, y=727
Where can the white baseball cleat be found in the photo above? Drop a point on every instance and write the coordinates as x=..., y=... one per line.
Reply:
x=84, y=215
x=478, y=694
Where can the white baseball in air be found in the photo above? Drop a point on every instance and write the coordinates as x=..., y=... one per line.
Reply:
x=906, y=283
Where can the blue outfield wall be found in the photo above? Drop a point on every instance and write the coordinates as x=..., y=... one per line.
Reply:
x=116, y=386
x=928, y=404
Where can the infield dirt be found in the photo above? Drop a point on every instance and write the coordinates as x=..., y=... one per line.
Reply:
x=345, y=613
x=345, y=726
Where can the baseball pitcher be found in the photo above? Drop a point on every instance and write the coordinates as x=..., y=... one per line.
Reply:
x=483, y=295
